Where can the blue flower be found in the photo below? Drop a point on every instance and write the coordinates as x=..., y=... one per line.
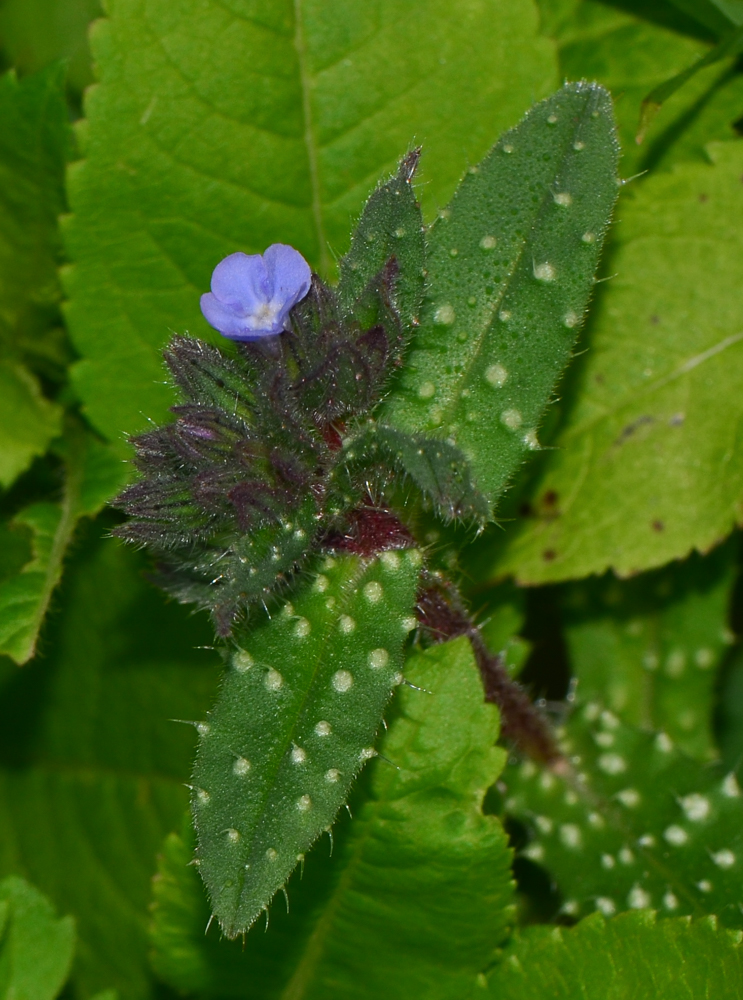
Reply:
x=252, y=294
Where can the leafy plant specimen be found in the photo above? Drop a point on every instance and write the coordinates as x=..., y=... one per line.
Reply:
x=445, y=372
x=273, y=457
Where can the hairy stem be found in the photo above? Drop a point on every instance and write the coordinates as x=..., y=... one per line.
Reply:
x=443, y=616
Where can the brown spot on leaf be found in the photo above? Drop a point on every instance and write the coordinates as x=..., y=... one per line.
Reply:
x=703, y=198
x=548, y=555
x=550, y=498
x=658, y=526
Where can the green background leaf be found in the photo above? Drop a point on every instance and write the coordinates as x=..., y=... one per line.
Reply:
x=91, y=771
x=417, y=894
x=647, y=463
x=631, y=49
x=637, y=824
x=34, y=33
x=28, y=421
x=35, y=946
x=92, y=473
x=630, y=958
x=650, y=648
x=34, y=144
x=219, y=127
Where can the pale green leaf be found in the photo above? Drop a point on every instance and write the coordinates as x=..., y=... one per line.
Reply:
x=632, y=823
x=224, y=126
x=647, y=462
x=511, y=266
x=91, y=768
x=417, y=894
x=35, y=946
x=650, y=648
x=28, y=421
x=630, y=958
x=91, y=474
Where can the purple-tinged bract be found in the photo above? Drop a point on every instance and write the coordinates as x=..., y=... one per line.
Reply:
x=253, y=294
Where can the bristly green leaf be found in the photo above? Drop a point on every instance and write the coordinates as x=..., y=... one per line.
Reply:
x=660, y=384
x=391, y=226
x=295, y=722
x=630, y=958
x=650, y=648
x=638, y=825
x=417, y=893
x=218, y=128
x=511, y=267
x=35, y=946
x=438, y=468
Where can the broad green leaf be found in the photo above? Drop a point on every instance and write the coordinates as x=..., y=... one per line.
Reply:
x=647, y=463
x=91, y=770
x=219, y=127
x=632, y=52
x=417, y=893
x=34, y=33
x=35, y=946
x=634, y=823
x=511, y=266
x=630, y=958
x=649, y=648
x=296, y=720
x=28, y=421
x=34, y=146
x=91, y=473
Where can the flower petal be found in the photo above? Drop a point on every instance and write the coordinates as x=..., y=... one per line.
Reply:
x=229, y=322
x=242, y=281
x=289, y=274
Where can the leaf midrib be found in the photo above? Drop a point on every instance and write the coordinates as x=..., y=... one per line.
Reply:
x=310, y=142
